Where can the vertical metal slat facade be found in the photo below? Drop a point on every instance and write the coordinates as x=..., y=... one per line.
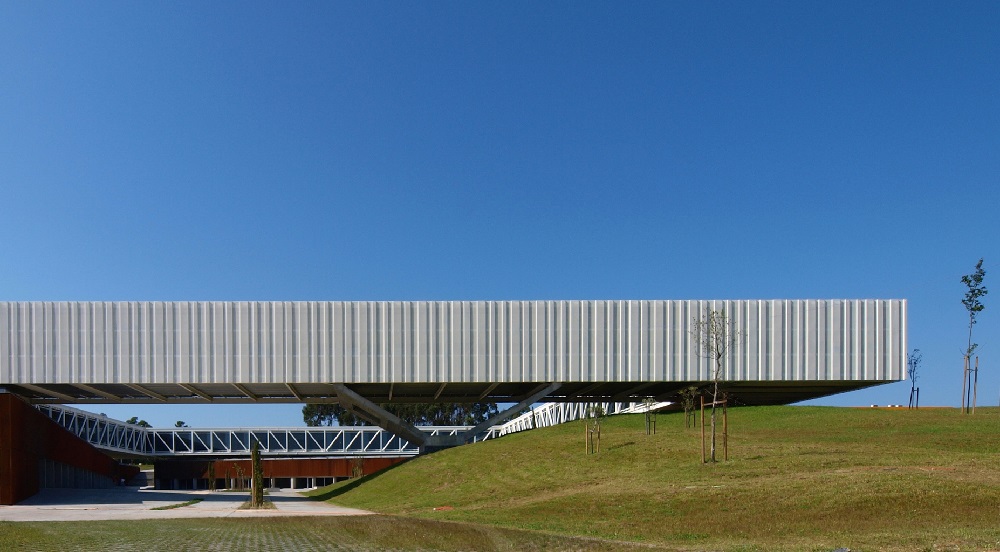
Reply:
x=443, y=342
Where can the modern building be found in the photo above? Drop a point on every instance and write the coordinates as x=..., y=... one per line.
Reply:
x=363, y=353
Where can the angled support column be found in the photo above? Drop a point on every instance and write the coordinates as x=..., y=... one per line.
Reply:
x=377, y=415
x=59, y=396
x=534, y=397
x=146, y=392
x=245, y=391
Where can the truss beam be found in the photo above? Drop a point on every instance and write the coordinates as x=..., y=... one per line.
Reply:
x=631, y=391
x=134, y=441
x=488, y=390
x=295, y=392
x=147, y=392
x=49, y=392
x=194, y=391
x=247, y=392
x=96, y=391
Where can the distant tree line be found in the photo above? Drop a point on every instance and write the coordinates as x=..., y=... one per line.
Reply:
x=420, y=414
x=134, y=420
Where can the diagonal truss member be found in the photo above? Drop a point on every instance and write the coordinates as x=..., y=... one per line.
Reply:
x=377, y=415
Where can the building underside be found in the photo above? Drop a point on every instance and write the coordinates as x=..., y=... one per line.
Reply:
x=742, y=392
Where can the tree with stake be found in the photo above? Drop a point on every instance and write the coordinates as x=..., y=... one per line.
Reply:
x=257, y=481
x=592, y=423
x=714, y=336
x=912, y=366
x=211, y=475
x=976, y=290
x=648, y=402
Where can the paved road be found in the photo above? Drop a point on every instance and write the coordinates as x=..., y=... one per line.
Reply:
x=134, y=503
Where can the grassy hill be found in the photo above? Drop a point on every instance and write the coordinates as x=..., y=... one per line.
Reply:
x=798, y=478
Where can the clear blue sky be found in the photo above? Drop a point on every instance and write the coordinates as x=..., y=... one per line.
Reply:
x=506, y=150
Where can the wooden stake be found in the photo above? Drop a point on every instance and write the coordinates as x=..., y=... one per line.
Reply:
x=703, y=429
x=725, y=431
x=975, y=384
x=965, y=377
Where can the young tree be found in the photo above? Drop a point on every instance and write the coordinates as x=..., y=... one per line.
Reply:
x=211, y=475
x=241, y=477
x=714, y=336
x=688, y=396
x=912, y=366
x=592, y=423
x=357, y=467
x=648, y=402
x=257, y=481
x=974, y=292
x=180, y=423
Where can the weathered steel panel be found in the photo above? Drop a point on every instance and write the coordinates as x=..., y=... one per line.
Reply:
x=28, y=437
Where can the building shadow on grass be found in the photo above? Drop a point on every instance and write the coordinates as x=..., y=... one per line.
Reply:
x=356, y=482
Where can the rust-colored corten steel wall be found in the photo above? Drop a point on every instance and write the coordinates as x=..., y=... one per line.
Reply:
x=278, y=468
x=27, y=437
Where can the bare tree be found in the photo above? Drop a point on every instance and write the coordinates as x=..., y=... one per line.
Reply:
x=714, y=336
x=912, y=367
x=975, y=291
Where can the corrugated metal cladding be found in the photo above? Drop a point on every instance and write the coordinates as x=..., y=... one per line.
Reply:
x=447, y=341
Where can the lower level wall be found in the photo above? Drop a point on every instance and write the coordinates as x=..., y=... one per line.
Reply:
x=36, y=452
x=56, y=475
x=279, y=472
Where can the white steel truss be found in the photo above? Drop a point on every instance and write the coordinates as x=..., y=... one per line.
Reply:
x=549, y=414
x=101, y=431
x=334, y=441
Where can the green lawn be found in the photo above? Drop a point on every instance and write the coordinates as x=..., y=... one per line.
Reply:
x=798, y=478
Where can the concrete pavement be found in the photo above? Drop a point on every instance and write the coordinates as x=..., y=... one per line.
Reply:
x=127, y=503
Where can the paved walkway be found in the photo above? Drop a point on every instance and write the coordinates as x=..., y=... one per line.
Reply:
x=135, y=503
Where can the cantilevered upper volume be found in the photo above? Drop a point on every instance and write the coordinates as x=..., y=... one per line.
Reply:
x=503, y=351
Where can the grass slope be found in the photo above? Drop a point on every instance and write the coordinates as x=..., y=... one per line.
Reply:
x=798, y=478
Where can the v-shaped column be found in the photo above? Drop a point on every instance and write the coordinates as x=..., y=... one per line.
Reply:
x=379, y=416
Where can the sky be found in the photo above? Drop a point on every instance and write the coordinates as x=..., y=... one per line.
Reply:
x=507, y=150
